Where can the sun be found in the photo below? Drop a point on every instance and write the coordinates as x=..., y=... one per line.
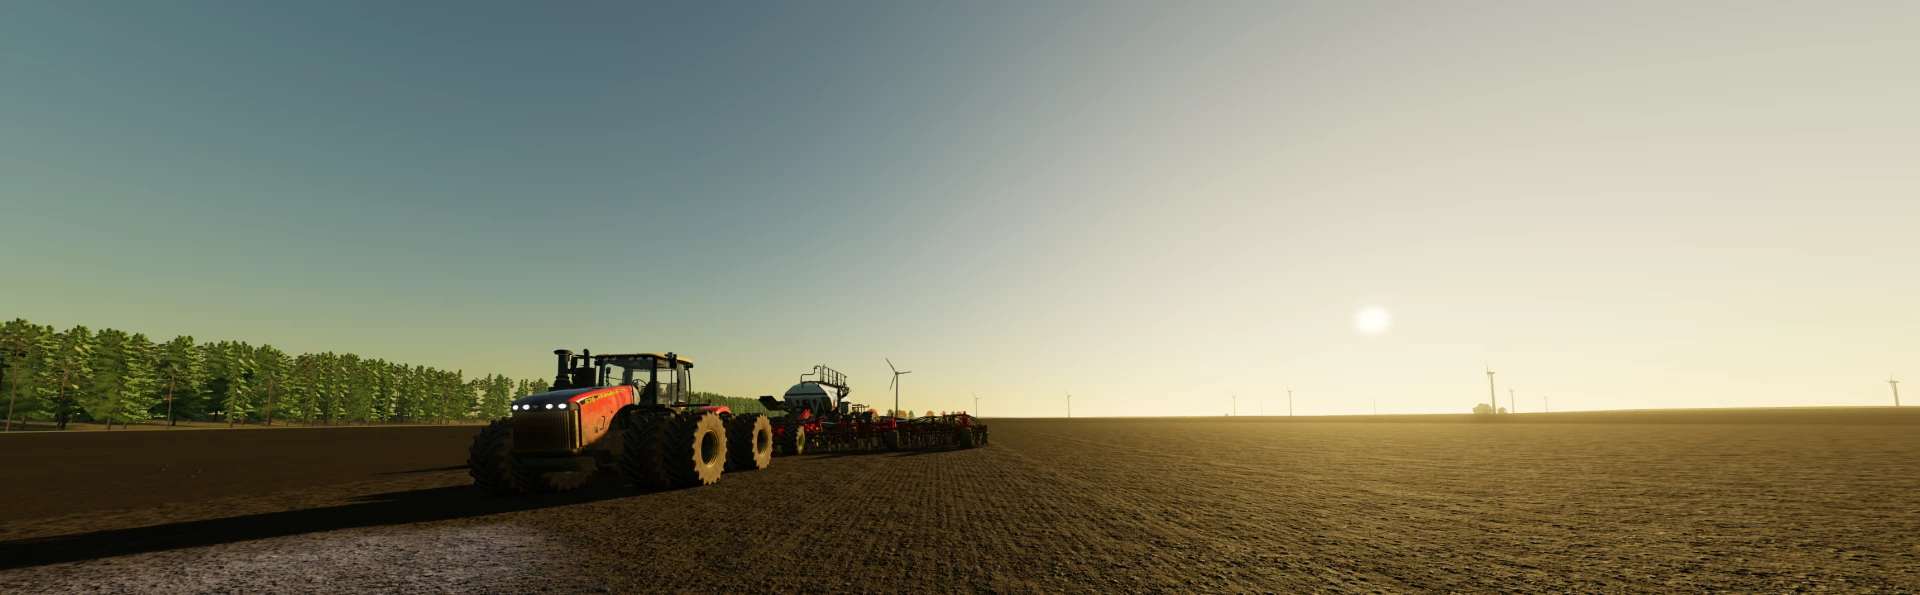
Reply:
x=1372, y=320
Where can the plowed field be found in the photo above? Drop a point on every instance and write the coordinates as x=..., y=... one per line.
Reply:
x=1052, y=506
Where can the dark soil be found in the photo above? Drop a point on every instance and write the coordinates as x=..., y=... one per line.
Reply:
x=1052, y=506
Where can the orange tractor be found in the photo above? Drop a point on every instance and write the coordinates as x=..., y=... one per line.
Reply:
x=625, y=414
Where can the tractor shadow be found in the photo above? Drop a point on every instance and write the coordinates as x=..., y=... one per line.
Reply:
x=396, y=508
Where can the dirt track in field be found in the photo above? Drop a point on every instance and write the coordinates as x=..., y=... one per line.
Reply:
x=1051, y=506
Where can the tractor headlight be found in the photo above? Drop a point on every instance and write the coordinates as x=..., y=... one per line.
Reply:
x=515, y=407
x=563, y=405
x=549, y=405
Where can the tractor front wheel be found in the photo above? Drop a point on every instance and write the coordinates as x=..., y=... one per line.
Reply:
x=490, y=459
x=643, y=457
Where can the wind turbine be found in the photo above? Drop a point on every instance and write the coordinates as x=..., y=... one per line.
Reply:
x=976, y=404
x=1492, y=396
x=895, y=385
x=1069, y=405
x=1510, y=408
x=1289, y=401
x=1543, y=405
x=1236, y=405
x=1896, y=390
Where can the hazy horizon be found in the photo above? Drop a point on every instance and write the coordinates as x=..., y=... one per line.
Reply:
x=1151, y=206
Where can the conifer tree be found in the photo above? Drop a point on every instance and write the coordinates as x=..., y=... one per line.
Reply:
x=27, y=375
x=273, y=371
x=72, y=364
x=177, y=379
x=122, y=383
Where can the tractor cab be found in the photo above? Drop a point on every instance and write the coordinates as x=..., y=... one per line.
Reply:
x=656, y=379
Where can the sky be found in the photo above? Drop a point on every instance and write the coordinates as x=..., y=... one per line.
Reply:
x=1162, y=208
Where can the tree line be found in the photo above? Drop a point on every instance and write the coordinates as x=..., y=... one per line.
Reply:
x=112, y=376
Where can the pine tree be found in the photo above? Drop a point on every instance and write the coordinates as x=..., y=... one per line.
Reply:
x=73, y=365
x=230, y=371
x=122, y=383
x=273, y=371
x=498, y=389
x=27, y=349
x=177, y=379
x=382, y=408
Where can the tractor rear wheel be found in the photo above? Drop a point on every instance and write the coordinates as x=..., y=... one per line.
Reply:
x=643, y=450
x=890, y=440
x=490, y=459
x=794, y=441
x=749, y=442
x=963, y=437
x=695, y=449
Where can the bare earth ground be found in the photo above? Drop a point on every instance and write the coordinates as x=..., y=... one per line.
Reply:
x=1052, y=506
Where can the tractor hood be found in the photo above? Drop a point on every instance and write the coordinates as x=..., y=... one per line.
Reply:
x=557, y=397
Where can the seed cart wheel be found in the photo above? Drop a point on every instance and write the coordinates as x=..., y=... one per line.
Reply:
x=643, y=457
x=963, y=437
x=696, y=448
x=794, y=441
x=749, y=442
x=490, y=459
x=890, y=440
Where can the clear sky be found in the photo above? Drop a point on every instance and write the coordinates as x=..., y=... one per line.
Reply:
x=1152, y=205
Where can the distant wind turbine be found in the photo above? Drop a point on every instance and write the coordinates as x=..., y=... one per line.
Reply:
x=1493, y=397
x=976, y=404
x=1289, y=401
x=1510, y=406
x=1069, y=405
x=1896, y=390
x=895, y=385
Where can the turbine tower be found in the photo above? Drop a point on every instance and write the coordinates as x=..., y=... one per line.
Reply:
x=976, y=404
x=1236, y=405
x=1493, y=397
x=1510, y=407
x=895, y=385
x=1543, y=405
x=1896, y=391
x=1289, y=401
x=1069, y=405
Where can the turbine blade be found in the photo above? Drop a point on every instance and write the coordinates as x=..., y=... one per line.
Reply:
x=890, y=365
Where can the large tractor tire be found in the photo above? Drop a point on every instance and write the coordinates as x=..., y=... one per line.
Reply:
x=643, y=453
x=963, y=437
x=794, y=442
x=695, y=448
x=749, y=442
x=890, y=440
x=490, y=459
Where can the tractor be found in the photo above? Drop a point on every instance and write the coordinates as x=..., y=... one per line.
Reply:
x=625, y=414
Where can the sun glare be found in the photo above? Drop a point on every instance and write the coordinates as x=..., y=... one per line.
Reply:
x=1372, y=321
